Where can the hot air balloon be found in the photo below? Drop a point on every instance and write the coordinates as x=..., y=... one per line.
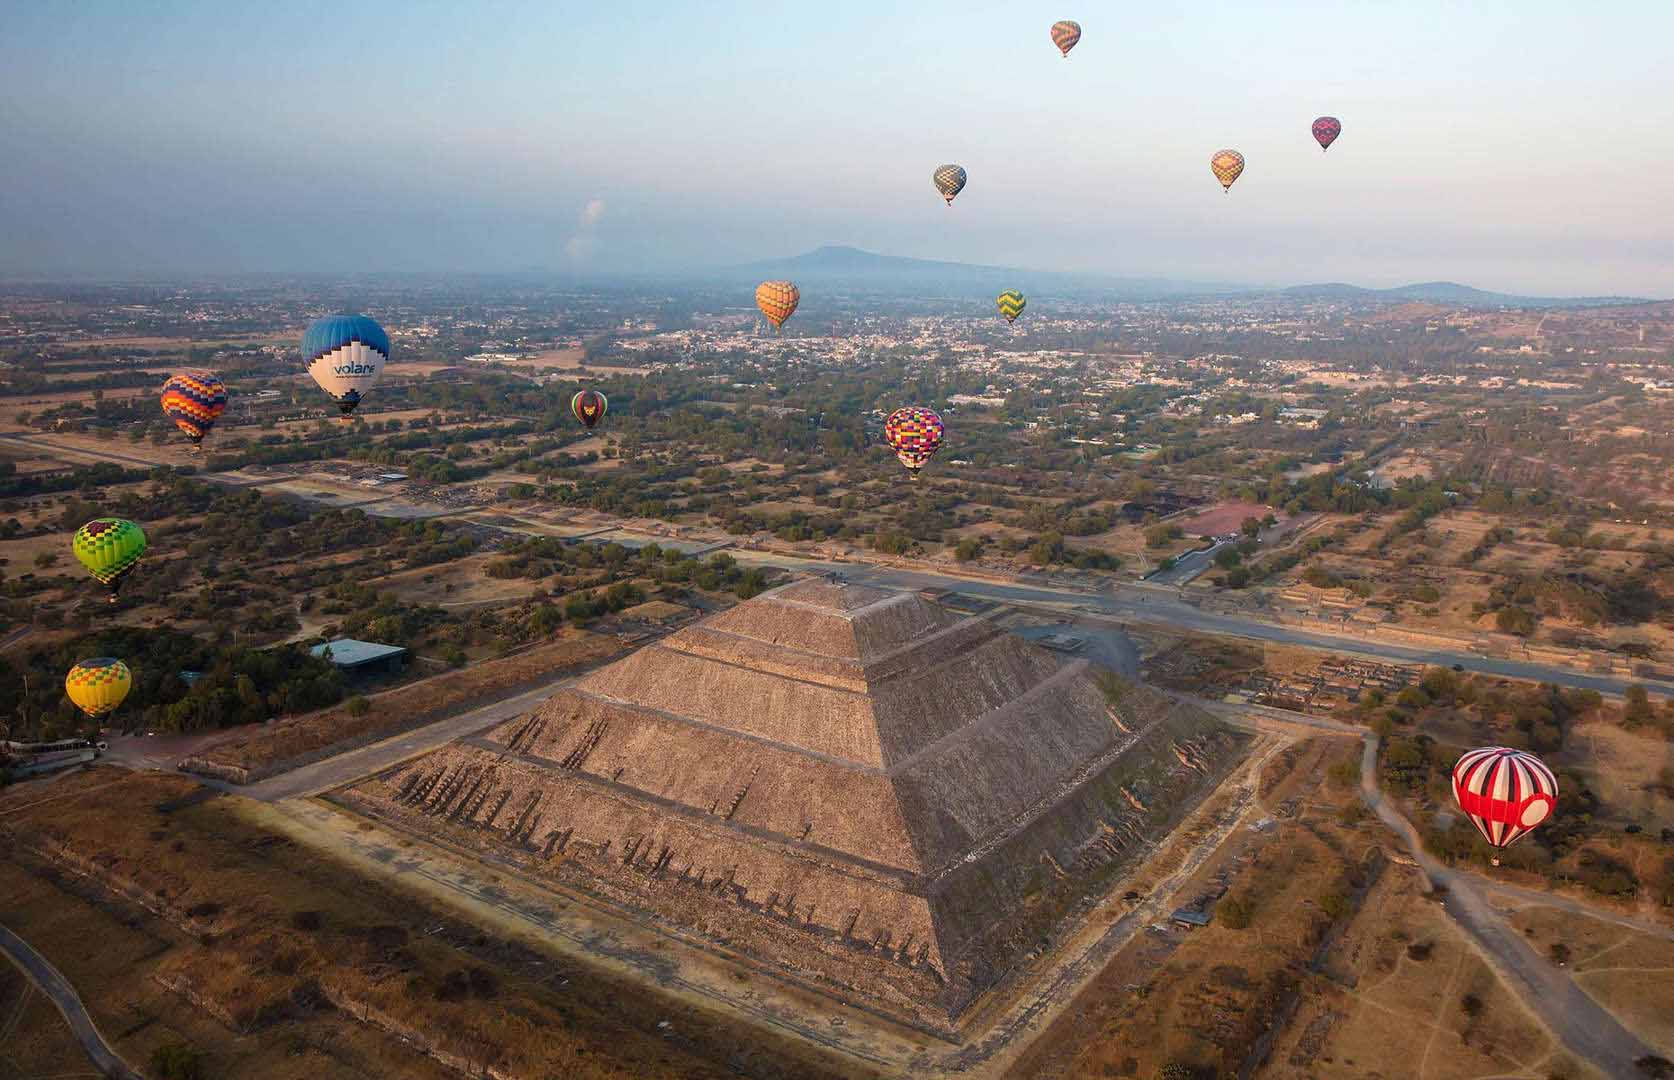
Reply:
x=949, y=180
x=777, y=300
x=589, y=406
x=346, y=355
x=915, y=434
x=1326, y=130
x=109, y=548
x=193, y=400
x=1011, y=304
x=1065, y=34
x=98, y=686
x=1227, y=164
x=1504, y=792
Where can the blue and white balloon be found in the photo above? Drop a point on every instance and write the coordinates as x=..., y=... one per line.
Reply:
x=346, y=355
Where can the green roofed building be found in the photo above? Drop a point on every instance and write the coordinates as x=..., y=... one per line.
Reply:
x=362, y=657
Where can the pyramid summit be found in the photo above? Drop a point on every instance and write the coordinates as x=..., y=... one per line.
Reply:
x=880, y=795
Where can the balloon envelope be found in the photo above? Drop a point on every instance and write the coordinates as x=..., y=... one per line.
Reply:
x=98, y=686
x=1326, y=130
x=949, y=180
x=194, y=400
x=777, y=300
x=346, y=355
x=1504, y=792
x=1227, y=165
x=915, y=434
x=1065, y=34
x=109, y=548
x=1011, y=303
x=589, y=407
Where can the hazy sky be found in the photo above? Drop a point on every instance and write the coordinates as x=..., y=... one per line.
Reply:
x=1513, y=145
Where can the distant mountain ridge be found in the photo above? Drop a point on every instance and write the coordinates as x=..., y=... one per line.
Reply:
x=1448, y=292
x=854, y=267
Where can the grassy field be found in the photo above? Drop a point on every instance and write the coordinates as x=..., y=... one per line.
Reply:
x=291, y=741
x=300, y=968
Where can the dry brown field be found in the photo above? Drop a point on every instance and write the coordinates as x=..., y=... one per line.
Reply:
x=1628, y=972
x=291, y=741
x=1387, y=999
x=35, y=1042
x=300, y=968
x=1377, y=991
x=460, y=583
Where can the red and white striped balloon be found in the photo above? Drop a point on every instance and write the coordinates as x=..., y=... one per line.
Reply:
x=1505, y=792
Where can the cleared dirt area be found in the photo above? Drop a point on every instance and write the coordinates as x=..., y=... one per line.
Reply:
x=1225, y=517
x=461, y=583
x=181, y=922
x=1628, y=972
x=293, y=741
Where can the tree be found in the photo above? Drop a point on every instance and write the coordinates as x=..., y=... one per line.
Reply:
x=1515, y=620
x=44, y=559
x=968, y=549
x=1251, y=527
x=1234, y=913
x=1638, y=708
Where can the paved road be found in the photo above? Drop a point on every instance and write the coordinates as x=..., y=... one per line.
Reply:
x=1188, y=566
x=1129, y=603
x=58, y=989
x=1139, y=604
x=333, y=772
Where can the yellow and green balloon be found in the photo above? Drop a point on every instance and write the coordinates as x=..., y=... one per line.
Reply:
x=99, y=685
x=1011, y=304
x=109, y=548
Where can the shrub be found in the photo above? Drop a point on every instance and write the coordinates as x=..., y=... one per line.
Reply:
x=177, y=1061
x=1234, y=913
x=359, y=706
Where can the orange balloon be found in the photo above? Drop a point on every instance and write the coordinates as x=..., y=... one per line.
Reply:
x=1227, y=164
x=777, y=300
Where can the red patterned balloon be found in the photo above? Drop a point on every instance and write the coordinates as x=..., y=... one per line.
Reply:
x=1326, y=130
x=1065, y=34
x=1504, y=792
x=915, y=434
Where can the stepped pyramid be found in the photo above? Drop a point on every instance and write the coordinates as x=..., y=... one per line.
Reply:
x=853, y=783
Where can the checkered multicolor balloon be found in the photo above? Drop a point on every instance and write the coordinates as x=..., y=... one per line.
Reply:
x=109, y=548
x=949, y=180
x=915, y=434
x=777, y=300
x=1227, y=165
x=194, y=400
x=98, y=686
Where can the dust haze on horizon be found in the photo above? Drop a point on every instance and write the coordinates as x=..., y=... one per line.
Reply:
x=1518, y=147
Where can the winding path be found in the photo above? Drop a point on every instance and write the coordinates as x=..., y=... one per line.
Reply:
x=58, y=989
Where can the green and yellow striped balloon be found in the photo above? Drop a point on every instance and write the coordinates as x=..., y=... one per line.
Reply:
x=109, y=548
x=1011, y=304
